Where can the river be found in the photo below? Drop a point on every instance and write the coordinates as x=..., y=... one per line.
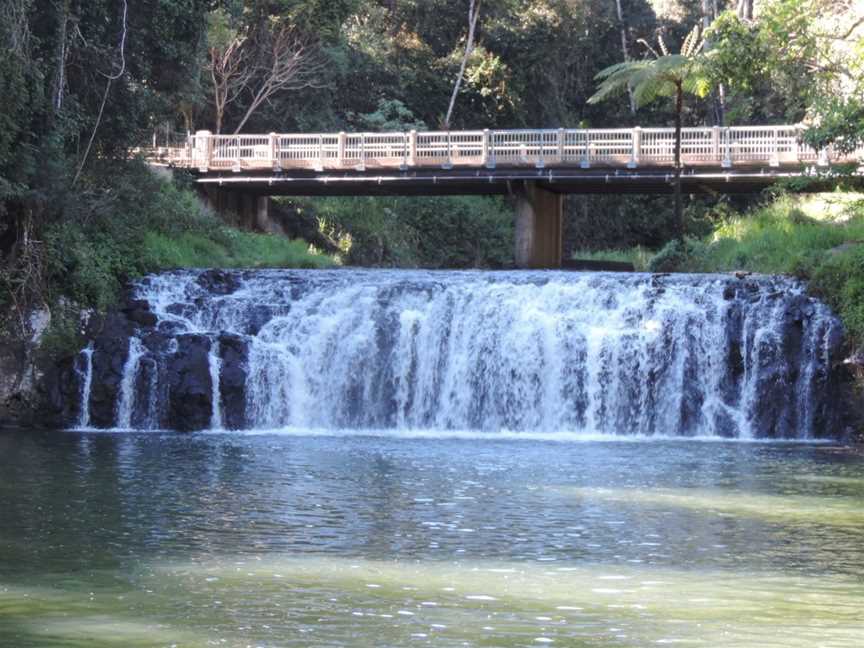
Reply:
x=239, y=539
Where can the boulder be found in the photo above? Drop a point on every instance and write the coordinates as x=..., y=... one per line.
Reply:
x=219, y=282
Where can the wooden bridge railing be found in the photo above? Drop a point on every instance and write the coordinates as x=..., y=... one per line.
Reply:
x=630, y=148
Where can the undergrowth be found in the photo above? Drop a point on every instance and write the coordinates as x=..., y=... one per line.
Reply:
x=143, y=224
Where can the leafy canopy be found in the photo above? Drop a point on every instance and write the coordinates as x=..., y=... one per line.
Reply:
x=664, y=75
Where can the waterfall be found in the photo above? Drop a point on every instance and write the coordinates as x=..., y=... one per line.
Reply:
x=214, y=364
x=86, y=376
x=128, y=391
x=541, y=352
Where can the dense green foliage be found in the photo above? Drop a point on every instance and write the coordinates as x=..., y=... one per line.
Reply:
x=436, y=232
x=82, y=82
x=142, y=223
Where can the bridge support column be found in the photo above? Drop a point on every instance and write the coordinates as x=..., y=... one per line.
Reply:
x=539, y=219
x=240, y=209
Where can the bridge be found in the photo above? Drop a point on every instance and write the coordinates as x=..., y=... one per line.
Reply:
x=537, y=167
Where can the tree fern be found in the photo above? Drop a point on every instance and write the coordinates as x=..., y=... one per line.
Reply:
x=664, y=75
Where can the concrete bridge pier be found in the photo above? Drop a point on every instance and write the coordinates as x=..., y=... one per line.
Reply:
x=242, y=209
x=539, y=221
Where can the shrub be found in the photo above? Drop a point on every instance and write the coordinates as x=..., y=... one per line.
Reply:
x=840, y=282
x=675, y=256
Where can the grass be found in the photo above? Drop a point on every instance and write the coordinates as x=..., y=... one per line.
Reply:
x=788, y=236
x=228, y=249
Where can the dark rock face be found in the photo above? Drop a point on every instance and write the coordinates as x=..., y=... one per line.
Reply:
x=110, y=352
x=234, y=354
x=219, y=282
x=190, y=388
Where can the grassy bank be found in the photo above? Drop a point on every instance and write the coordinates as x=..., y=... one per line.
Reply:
x=819, y=238
x=144, y=224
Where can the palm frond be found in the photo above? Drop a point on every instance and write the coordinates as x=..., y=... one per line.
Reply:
x=697, y=83
x=661, y=76
x=617, y=78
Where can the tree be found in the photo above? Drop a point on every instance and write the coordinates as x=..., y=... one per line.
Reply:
x=227, y=64
x=664, y=75
x=287, y=60
x=473, y=16
x=249, y=66
x=624, y=50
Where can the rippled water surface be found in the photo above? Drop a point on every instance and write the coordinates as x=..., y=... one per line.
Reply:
x=289, y=540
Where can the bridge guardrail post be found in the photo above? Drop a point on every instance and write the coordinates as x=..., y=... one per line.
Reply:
x=824, y=157
x=485, y=154
x=412, y=148
x=319, y=163
x=541, y=152
x=715, y=144
x=562, y=138
x=449, y=163
x=274, y=152
x=203, y=150
x=799, y=133
x=636, y=153
x=361, y=166
x=341, y=146
x=727, y=158
x=775, y=148
x=237, y=156
x=586, y=152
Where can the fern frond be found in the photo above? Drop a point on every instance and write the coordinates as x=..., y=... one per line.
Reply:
x=692, y=41
x=618, y=68
x=647, y=45
x=662, y=43
x=652, y=87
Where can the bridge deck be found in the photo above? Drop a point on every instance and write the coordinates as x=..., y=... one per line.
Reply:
x=566, y=160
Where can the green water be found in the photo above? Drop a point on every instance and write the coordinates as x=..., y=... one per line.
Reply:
x=140, y=540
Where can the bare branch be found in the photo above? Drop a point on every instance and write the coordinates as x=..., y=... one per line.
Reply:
x=230, y=74
x=288, y=61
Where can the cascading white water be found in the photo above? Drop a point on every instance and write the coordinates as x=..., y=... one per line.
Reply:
x=86, y=375
x=214, y=363
x=535, y=351
x=128, y=392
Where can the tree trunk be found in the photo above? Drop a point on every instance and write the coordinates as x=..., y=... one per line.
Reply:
x=473, y=15
x=679, y=210
x=623, y=28
x=718, y=101
x=745, y=9
x=62, y=54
